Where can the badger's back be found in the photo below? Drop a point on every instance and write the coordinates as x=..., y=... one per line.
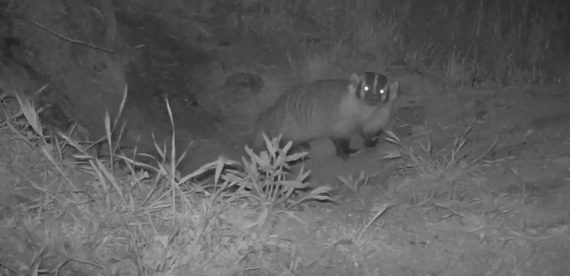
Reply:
x=306, y=113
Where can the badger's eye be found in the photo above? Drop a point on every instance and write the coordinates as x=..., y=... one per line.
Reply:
x=366, y=88
x=382, y=91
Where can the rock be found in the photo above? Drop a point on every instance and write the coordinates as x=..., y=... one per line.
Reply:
x=244, y=80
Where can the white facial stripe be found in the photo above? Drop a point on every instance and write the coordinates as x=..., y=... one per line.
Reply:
x=375, y=81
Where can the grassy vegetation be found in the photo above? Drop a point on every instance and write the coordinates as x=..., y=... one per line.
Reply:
x=116, y=218
x=428, y=162
x=463, y=42
x=172, y=224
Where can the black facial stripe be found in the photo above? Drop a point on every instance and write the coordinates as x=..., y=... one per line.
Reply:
x=368, y=76
x=383, y=85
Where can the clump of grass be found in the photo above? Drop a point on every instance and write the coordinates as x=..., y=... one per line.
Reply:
x=159, y=223
x=458, y=70
x=355, y=184
x=431, y=163
x=266, y=175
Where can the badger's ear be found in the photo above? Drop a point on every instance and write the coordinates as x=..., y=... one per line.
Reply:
x=394, y=87
x=353, y=82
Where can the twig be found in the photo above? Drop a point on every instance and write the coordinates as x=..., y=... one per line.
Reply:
x=58, y=268
x=8, y=267
x=75, y=41
x=69, y=39
x=517, y=265
x=381, y=210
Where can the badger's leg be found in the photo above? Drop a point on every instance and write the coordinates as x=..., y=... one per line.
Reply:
x=342, y=146
x=371, y=139
x=304, y=147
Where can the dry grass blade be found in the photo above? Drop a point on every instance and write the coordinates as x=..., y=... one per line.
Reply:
x=392, y=154
x=320, y=193
x=391, y=137
x=108, y=131
x=204, y=168
x=27, y=107
x=381, y=210
x=493, y=145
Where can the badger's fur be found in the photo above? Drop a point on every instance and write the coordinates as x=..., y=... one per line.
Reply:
x=333, y=108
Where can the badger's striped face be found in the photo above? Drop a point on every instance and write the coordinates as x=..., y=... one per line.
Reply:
x=371, y=87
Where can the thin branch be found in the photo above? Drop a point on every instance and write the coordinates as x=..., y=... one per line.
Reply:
x=67, y=38
x=70, y=40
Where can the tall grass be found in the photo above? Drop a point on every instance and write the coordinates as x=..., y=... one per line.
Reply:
x=465, y=42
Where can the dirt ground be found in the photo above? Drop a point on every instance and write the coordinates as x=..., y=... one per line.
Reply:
x=507, y=214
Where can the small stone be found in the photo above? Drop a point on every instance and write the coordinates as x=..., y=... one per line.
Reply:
x=244, y=81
